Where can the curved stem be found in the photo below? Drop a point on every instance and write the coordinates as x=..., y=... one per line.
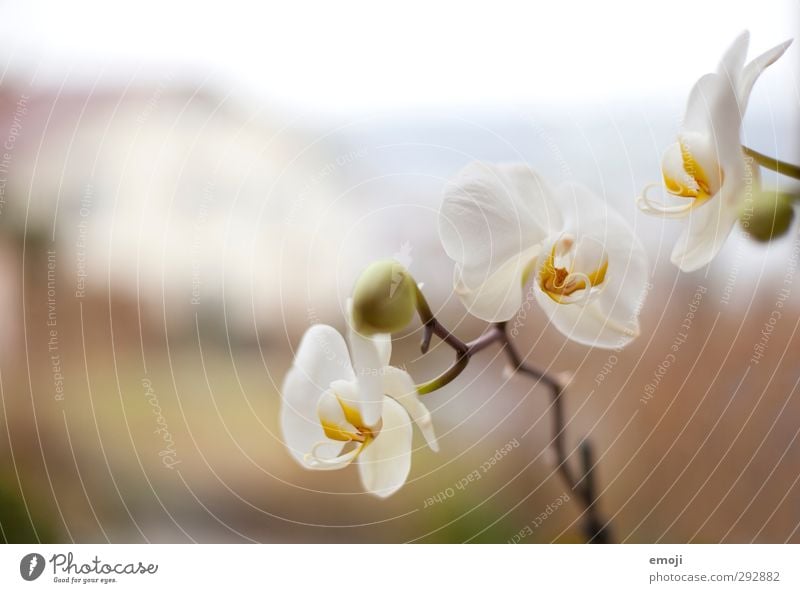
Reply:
x=451, y=373
x=423, y=309
x=771, y=163
x=463, y=351
x=596, y=530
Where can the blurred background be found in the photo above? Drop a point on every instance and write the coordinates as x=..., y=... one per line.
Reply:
x=184, y=189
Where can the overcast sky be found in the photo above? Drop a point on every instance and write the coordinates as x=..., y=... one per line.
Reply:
x=340, y=57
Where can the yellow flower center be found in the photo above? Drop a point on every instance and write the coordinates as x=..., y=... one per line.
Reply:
x=341, y=421
x=691, y=181
x=560, y=282
x=355, y=429
x=690, y=170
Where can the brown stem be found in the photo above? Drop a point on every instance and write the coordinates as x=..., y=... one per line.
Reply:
x=463, y=351
x=596, y=530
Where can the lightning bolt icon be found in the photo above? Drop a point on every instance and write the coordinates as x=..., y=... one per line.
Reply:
x=33, y=563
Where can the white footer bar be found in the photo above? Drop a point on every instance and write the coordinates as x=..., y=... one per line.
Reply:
x=396, y=568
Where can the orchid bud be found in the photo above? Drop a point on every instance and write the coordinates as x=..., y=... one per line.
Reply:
x=769, y=216
x=384, y=298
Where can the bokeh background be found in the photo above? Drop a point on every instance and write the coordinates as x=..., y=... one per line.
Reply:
x=184, y=189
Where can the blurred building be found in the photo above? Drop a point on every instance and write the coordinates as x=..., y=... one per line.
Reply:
x=183, y=202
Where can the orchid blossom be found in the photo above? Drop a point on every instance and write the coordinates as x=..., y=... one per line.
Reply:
x=707, y=166
x=336, y=410
x=504, y=226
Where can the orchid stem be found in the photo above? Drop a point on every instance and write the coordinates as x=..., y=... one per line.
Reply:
x=774, y=164
x=463, y=351
x=596, y=530
x=446, y=377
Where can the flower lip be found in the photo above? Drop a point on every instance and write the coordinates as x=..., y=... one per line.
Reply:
x=340, y=419
x=567, y=271
x=699, y=174
x=341, y=422
x=689, y=169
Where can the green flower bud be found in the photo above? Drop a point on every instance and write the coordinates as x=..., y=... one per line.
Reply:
x=768, y=216
x=384, y=298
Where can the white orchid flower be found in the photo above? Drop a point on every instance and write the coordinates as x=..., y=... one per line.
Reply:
x=336, y=410
x=707, y=165
x=504, y=225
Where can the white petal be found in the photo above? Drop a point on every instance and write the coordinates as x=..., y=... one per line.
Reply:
x=703, y=96
x=585, y=214
x=725, y=123
x=321, y=359
x=609, y=319
x=754, y=69
x=589, y=254
x=384, y=464
x=711, y=223
x=498, y=297
x=489, y=216
x=398, y=384
x=368, y=367
x=383, y=343
x=732, y=62
x=713, y=109
x=704, y=154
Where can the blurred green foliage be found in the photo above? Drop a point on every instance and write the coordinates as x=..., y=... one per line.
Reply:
x=16, y=526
